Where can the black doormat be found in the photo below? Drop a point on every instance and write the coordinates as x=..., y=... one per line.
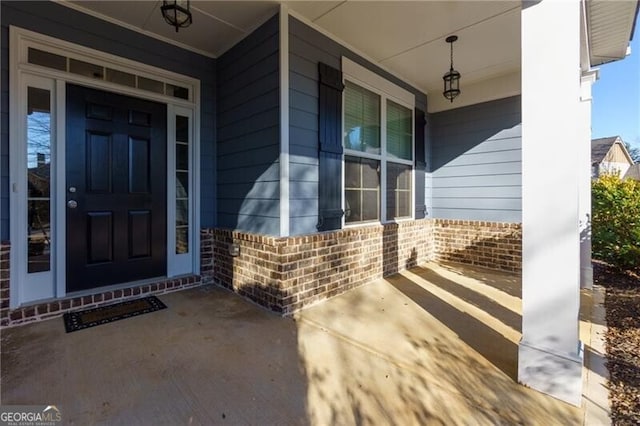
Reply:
x=74, y=321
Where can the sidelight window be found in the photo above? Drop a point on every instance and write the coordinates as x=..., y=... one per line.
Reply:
x=38, y=179
x=182, y=184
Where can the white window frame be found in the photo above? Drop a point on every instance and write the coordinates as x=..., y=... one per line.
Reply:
x=23, y=289
x=179, y=264
x=38, y=285
x=363, y=77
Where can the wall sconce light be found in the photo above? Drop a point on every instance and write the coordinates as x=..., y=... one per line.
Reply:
x=176, y=14
x=451, y=78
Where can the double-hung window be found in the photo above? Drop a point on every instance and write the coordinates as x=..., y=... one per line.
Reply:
x=378, y=160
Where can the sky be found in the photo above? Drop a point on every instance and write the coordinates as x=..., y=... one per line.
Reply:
x=616, y=97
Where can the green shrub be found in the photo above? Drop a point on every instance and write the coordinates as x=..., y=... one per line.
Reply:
x=616, y=221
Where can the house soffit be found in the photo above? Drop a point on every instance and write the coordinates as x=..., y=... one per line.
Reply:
x=610, y=28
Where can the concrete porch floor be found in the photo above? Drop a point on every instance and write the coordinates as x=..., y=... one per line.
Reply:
x=433, y=345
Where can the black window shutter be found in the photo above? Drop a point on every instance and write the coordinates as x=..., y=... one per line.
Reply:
x=330, y=148
x=420, y=163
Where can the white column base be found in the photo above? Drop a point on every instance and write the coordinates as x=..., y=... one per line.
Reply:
x=586, y=277
x=553, y=374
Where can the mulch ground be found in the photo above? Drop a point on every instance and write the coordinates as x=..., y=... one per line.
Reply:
x=622, y=304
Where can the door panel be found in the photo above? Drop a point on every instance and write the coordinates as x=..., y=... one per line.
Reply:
x=139, y=172
x=140, y=231
x=99, y=159
x=99, y=237
x=116, y=173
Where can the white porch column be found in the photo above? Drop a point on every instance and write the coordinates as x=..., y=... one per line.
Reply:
x=550, y=354
x=584, y=156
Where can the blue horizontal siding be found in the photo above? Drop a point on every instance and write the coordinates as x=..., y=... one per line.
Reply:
x=253, y=220
x=71, y=25
x=249, y=134
x=475, y=160
x=308, y=47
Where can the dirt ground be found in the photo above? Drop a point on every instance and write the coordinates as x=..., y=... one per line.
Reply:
x=623, y=340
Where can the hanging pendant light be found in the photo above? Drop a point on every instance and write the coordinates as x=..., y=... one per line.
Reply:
x=451, y=78
x=176, y=13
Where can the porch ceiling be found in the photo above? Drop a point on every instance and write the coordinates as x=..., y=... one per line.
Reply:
x=407, y=38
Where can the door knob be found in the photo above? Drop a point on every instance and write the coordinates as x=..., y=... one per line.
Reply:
x=72, y=204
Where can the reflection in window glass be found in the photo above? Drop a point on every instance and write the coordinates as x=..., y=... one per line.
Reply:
x=177, y=91
x=399, y=131
x=362, y=189
x=361, y=119
x=150, y=85
x=85, y=68
x=121, y=77
x=182, y=129
x=38, y=180
x=46, y=59
x=378, y=142
x=182, y=184
x=398, y=191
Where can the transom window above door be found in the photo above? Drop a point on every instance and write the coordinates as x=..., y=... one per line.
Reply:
x=103, y=72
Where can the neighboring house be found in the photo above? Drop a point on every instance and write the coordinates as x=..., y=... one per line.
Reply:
x=609, y=156
x=294, y=150
x=633, y=172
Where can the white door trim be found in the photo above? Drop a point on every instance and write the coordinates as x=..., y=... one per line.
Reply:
x=21, y=72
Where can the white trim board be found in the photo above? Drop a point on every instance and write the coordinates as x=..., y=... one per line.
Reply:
x=357, y=71
x=284, y=121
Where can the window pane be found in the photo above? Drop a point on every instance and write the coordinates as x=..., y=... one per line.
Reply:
x=39, y=236
x=370, y=173
x=370, y=205
x=352, y=176
x=399, y=131
x=361, y=119
x=182, y=184
x=398, y=191
x=182, y=212
x=38, y=179
x=46, y=59
x=182, y=157
x=362, y=189
x=353, y=207
x=38, y=142
x=182, y=129
x=182, y=240
x=121, y=77
x=85, y=68
x=150, y=85
x=177, y=91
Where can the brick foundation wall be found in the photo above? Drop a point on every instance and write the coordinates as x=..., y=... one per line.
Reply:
x=5, y=252
x=287, y=274
x=487, y=244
